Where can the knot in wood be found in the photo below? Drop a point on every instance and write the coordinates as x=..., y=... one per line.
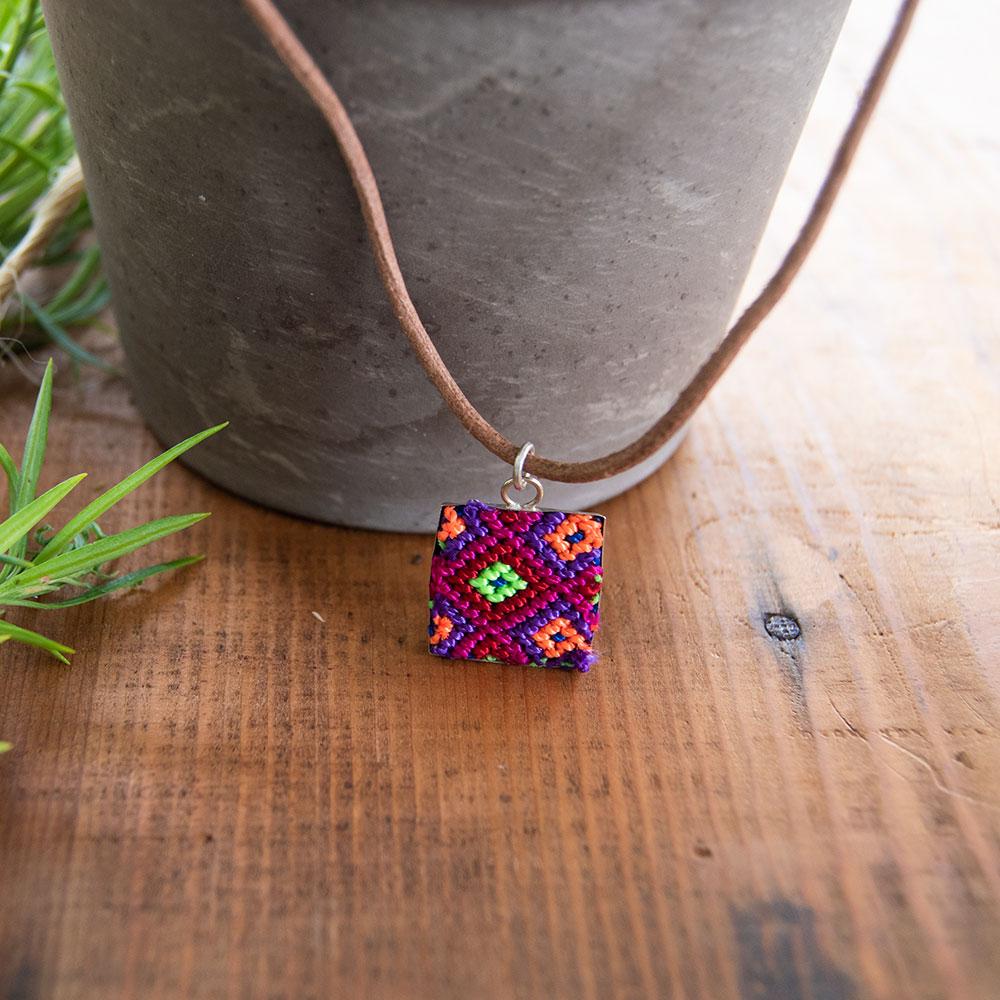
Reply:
x=782, y=627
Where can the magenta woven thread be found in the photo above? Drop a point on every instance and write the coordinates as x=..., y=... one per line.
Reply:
x=516, y=586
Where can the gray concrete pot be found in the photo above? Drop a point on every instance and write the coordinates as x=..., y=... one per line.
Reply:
x=576, y=188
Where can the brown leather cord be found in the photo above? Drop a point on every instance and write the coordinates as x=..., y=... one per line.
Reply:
x=298, y=60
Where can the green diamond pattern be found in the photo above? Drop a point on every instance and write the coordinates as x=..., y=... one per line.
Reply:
x=498, y=582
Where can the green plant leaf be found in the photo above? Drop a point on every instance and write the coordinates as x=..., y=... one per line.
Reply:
x=19, y=41
x=86, y=270
x=6, y=747
x=34, y=445
x=61, y=337
x=18, y=525
x=11, y=561
x=31, y=462
x=56, y=649
x=89, y=557
x=10, y=471
x=26, y=151
x=109, y=587
x=98, y=507
x=36, y=142
x=47, y=94
x=87, y=307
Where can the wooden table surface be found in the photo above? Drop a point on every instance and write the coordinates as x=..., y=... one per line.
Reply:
x=225, y=796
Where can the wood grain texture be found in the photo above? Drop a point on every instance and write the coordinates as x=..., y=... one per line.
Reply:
x=226, y=797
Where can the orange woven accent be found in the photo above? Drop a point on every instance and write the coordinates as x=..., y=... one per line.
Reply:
x=452, y=527
x=575, y=524
x=571, y=639
x=442, y=629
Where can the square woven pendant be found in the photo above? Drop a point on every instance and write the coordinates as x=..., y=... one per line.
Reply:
x=516, y=586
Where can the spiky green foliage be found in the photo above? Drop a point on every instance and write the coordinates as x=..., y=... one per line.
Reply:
x=77, y=560
x=35, y=143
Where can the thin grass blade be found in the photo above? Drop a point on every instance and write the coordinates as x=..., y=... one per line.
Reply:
x=17, y=44
x=31, y=461
x=18, y=525
x=27, y=152
x=98, y=507
x=119, y=583
x=85, y=271
x=47, y=94
x=18, y=634
x=34, y=445
x=105, y=550
x=11, y=561
x=10, y=471
x=61, y=337
x=86, y=307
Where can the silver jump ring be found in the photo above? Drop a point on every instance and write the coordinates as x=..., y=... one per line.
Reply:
x=526, y=449
x=529, y=480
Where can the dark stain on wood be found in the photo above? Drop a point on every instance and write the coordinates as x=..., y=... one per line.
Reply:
x=23, y=983
x=780, y=957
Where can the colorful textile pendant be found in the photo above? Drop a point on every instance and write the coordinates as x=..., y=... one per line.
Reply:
x=516, y=584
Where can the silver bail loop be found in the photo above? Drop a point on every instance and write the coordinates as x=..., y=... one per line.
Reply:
x=520, y=481
x=526, y=449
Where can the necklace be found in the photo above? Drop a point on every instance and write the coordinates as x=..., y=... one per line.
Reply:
x=515, y=583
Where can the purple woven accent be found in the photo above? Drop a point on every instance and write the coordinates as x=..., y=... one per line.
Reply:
x=516, y=586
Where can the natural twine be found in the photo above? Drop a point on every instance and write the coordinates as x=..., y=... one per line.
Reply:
x=51, y=211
